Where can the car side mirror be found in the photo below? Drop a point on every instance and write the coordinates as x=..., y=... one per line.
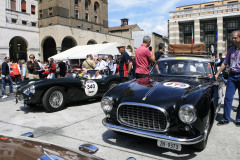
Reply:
x=88, y=148
x=29, y=134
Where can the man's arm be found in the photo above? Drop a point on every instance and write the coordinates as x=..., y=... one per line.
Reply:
x=152, y=58
x=129, y=69
x=220, y=70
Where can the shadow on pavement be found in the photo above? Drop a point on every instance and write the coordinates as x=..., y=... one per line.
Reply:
x=39, y=108
x=145, y=145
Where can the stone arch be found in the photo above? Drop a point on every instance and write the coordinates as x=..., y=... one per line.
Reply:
x=68, y=42
x=92, y=41
x=49, y=47
x=104, y=42
x=129, y=47
x=18, y=48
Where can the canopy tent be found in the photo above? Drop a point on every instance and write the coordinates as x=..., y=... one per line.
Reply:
x=80, y=52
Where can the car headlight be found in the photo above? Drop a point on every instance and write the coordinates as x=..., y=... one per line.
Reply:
x=187, y=114
x=32, y=89
x=107, y=104
x=29, y=90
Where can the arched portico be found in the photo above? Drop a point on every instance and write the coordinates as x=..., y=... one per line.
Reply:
x=18, y=48
x=67, y=43
x=49, y=48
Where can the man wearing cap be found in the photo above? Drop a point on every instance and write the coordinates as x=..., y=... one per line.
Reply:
x=125, y=64
x=143, y=56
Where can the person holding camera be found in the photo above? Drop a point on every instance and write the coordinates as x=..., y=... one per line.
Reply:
x=143, y=57
x=33, y=68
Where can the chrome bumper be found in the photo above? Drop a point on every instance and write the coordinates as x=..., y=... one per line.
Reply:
x=153, y=135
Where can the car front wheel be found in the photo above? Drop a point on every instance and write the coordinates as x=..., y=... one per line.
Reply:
x=54, y=99
x=113, y=84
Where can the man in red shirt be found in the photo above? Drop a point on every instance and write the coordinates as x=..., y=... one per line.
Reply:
x=52, y=69
x=143, y=56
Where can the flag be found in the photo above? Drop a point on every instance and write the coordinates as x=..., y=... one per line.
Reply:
x=192, y=35
x=217, y=34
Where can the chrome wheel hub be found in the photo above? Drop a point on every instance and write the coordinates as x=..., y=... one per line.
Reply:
x=56, y=99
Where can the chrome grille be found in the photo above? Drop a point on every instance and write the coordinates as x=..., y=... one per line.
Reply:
x=143, y=116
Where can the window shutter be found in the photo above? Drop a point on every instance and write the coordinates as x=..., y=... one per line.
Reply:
x=24, y=5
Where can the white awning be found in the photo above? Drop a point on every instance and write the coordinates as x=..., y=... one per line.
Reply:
x=80, y=52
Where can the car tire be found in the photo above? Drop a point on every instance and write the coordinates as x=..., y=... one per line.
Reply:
x=54, y=99
x=113, y=84
x=201, y=145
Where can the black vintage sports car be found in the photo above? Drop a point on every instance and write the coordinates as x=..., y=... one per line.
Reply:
x=53, y=94
x=176, y=104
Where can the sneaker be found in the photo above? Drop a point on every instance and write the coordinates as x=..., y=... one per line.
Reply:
x=4, y=96
x=12, y=93
x=237, y=123
x=222, y=122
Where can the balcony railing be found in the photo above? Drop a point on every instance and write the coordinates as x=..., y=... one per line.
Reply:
x=219, y=9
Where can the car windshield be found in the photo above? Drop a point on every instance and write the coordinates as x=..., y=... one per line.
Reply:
x=182, y=68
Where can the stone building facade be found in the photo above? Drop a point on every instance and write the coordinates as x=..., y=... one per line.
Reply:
x=19, y=29
x=47, y=27
x=211, y=23
x=65, y=24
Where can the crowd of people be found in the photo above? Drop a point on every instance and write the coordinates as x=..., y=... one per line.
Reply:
x=128, y=67
x=20, y=70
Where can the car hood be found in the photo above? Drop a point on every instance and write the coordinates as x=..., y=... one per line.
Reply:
x=14, y=148
x=161, y=91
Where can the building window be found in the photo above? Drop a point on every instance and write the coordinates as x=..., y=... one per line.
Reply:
x=24, y=23
x=40, y=1
x=23, y=4
x=232, y=2
x=96, y=6
x=210, y=5
x=188, y=33
x=210, y=29
x=188, y=8
x=50, y=11
x=95, y=18
x=33, y=9
x=76, y=2
x=87, y=4
x=34, y=24
x=231, y=25
x=97, y=30
x=89, y=29
x=40, y=14
x=14, y=20
x=13, y=5
x=76, y=13
x=86, y=16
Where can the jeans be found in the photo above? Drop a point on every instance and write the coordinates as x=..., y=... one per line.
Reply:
x=233, y=83
x=4, y=80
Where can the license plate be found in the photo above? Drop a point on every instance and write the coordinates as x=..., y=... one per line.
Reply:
x=169, y=145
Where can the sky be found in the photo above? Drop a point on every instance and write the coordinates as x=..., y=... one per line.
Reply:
x=150, y=15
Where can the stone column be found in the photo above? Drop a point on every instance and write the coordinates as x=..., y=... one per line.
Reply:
x=18, y=5
x=59, y=50
x=220, y=43
x=8, y=4
x=174, y=32
x=197, y=31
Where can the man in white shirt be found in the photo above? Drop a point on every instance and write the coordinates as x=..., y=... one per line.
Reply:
x=101, y=65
